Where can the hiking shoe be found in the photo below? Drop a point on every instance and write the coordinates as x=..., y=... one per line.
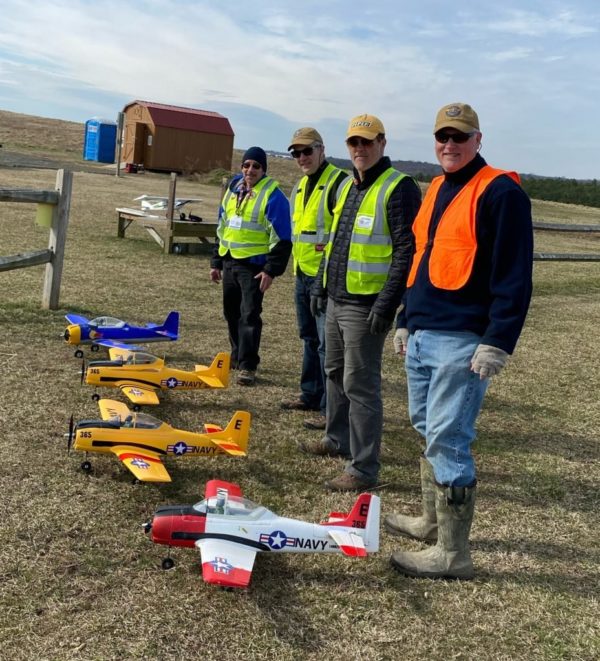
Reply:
x=318, y=448
x=320, y=422
x=297, y=404
x=347, y=482
x=246, y=377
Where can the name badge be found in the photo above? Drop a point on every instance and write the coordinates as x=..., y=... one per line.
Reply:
x=364, y=222
x=235, y=222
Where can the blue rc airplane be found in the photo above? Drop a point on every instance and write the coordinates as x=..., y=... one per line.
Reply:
x=111, y=332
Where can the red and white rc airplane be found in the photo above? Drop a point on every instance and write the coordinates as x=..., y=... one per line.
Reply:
x=229, y=529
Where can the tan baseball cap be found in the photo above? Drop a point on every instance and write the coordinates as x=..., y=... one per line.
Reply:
x=305, y=136
x=459, y=116
x=365, y=126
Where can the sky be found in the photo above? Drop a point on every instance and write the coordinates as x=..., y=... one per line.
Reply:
x=531, y=69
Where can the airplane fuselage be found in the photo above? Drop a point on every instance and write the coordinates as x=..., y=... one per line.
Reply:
x=111, y=374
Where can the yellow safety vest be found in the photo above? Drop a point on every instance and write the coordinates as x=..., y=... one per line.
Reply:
x=244, y=231
x=311, y=221
x=370, y=253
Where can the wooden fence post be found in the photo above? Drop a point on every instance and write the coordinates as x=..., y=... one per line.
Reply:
x=56, y=243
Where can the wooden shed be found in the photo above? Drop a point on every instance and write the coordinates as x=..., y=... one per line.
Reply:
x=163, y=137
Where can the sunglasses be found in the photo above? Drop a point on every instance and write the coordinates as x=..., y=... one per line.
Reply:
x=248, y=164
x=307, y=151
x=359, y=142
x=457, y=138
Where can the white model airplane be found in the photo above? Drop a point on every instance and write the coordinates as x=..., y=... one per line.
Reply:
x=229, y=530
x=157, y=202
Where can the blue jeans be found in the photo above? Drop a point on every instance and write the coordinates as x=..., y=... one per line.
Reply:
x=444, y=400
x=354, y=405
x=312, y=333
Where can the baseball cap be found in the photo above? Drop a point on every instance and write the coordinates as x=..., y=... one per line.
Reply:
x=305, y=136
x=365, y=126
x=459, y=116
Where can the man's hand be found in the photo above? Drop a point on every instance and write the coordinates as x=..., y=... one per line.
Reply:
x=265, y=281
x=216, y=275
x=487, y=361
x=378, y=323
x=401, y=341
x=318, y=305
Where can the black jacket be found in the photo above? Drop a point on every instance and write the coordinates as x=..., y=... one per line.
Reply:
x=402, y=207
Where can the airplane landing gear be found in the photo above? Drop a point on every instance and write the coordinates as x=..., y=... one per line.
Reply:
x=86, y=466
x=167, y=563
x=78, y=353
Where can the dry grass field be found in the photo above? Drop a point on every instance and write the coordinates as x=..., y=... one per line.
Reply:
x=80, y=580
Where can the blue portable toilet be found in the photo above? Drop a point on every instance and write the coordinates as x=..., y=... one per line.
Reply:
x=99, y=140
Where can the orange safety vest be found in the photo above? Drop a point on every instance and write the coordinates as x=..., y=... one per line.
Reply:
x=455, y=242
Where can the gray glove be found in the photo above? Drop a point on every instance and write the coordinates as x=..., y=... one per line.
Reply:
x=318, y=305
x=487, y=361
x=401, y=341
x=378, y=323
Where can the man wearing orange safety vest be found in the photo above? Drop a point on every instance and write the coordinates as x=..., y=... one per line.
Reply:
x=467, y=296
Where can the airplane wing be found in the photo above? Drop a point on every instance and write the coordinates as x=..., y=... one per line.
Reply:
x=111, y=408
x=145, y=465
x=115, y=344
x=77, y=319
x=349, y=542
x=226, y=563
x=141, y=396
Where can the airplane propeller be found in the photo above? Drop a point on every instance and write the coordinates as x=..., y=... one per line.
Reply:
x=70, y=435
x=82, y=370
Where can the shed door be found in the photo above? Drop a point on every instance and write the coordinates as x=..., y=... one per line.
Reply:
x=141, y=131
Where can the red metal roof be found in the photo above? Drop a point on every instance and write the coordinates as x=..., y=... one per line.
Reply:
x=190, y=119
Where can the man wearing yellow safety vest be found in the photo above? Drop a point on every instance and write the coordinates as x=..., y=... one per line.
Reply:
x=364, y=273
x=253, y=247
x=312, y=201
x=467, y=298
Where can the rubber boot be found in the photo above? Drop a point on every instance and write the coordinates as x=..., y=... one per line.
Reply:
x=422, y=527
x=450, y=557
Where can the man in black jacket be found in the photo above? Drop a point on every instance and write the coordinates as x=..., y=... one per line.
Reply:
x=364, y=276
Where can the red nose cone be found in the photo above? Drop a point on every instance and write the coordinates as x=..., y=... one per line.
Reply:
x=177, y=529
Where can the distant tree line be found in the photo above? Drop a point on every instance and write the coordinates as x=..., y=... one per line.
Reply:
x=570, y=191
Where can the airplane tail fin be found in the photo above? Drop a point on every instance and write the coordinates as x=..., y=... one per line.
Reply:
x=234, y=438
x=171, y=325
x=217, y=375
x=363, y=516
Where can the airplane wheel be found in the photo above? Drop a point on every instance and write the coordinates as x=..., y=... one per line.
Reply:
x=95, y=397
x=95, y=347
x=168, y=563
x=137, y=408
x=78, y=353
x=86, y=466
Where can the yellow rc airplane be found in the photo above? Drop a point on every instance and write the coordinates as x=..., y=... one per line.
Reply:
x=139, y=375
x=141, y=441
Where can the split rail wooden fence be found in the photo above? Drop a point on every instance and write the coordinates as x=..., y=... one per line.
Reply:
x=53, y=256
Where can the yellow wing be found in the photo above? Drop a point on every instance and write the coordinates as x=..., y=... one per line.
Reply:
x=145, y=465
x=142, y=396
x=111, y=408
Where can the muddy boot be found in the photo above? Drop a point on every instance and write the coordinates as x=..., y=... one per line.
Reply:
x=450, y=557
x=422, y=527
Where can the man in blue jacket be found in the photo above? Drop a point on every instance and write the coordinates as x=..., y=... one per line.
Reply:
x=253, y=247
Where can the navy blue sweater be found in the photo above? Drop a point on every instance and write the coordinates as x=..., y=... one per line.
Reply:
x=494, y=301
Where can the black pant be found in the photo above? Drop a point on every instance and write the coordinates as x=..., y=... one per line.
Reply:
x=242, y=306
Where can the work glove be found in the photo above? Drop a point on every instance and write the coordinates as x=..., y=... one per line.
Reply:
x=401, y=341
x=487, y=361
x=318, y=305
x=378, y=323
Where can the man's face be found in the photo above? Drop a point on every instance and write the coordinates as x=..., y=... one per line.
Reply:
x=252, y=172
x=365, y=153
x=308, y=157
x=455, y=154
